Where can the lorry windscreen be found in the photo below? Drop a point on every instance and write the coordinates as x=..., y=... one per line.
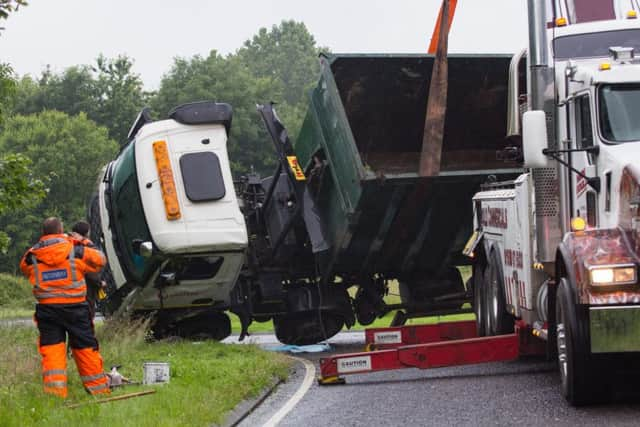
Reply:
x=619, y=106
x=129, y=221
x=594, y=45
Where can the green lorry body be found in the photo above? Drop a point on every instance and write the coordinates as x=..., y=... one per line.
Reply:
x=365, y=124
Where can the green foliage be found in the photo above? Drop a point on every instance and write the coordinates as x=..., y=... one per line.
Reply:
x=287, y=52
x=110, y=94
x=69, y=151
x=227, y=80
x=15, y=292
x=120, y=96
x=277, y=65
x=9, y=6
x=19, y=189
x=208, y=379
x=73, y=91
x=7, y=87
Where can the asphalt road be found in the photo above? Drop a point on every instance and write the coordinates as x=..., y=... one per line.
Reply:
x=524, y=392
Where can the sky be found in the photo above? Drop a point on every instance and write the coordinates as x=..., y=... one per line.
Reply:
x=62, y=33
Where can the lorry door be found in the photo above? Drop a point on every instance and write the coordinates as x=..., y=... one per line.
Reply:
x=584, y=198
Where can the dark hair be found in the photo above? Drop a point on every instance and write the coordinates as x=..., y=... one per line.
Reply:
x=51, y=225
x=81, y=227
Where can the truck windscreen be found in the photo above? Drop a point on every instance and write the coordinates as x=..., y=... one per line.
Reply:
x=594, y=45
x=129, y=221
x=619, y=107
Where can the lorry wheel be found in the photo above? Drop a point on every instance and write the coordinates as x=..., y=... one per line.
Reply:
x=306, y=328
x=478, y=303
x=498, y=320
x=579, y=379
x=365, y=306
x=210, y=325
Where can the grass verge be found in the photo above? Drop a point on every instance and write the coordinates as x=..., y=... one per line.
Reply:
x=208, y=379
x=16, y=299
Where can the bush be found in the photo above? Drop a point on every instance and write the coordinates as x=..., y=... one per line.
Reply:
x=15, y=292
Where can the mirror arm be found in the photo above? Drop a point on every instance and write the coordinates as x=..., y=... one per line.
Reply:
x=594, y=182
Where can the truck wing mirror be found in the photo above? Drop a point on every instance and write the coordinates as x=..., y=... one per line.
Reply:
x=142, y=248
x=534, y=139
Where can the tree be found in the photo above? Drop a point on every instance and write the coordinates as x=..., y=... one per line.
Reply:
x=288, y=52
x=72, y=91
x=279, y=65
x=7, y=88
x=120, y=96
x=69, y=151
x=19, y=189
x=9, y=6
x=224, y=79
x=110, y=94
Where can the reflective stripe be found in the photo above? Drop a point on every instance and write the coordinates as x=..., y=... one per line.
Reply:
x=52, y=291
x=45, y=295
x=74, y=285
x=44, y=243
x=54, y=372
x=36, y=272
x=55, y=384
x=72, y=262
x=87, y=378
x=97, y=387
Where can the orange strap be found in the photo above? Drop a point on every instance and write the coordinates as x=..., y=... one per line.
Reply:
x=436, y=31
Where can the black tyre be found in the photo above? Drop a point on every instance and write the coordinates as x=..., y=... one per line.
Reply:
x=498, y=320
x=307, y=327
x=580, y=379
x=210, y=325
x=478, y=301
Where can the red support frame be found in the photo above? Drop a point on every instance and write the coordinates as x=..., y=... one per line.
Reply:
x=384, y=338
x=438, y=354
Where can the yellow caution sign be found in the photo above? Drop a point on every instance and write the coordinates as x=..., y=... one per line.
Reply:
x=295, y=168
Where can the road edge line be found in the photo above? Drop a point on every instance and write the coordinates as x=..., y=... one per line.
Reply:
x=309, y=377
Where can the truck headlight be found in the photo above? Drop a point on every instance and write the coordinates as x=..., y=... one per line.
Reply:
x=613, y=275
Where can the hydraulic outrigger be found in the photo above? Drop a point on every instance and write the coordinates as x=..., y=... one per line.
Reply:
x=430, y=346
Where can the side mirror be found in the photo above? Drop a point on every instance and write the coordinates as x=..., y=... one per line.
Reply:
x=144, y=249
x=534, y=139
x=166, y=279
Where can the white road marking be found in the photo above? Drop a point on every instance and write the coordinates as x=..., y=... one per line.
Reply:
x=309, y=376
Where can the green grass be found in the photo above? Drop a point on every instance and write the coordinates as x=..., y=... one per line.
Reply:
x=16, y=299
x=208, y=379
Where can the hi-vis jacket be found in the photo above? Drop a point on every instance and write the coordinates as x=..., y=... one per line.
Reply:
x=56, y=266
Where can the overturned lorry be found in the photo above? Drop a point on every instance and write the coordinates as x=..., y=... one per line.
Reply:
x=346, y=207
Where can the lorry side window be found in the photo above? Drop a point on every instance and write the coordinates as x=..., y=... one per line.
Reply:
x=584, y=130
x=202, y=176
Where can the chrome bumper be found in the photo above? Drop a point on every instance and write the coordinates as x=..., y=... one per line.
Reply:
x=614, y=329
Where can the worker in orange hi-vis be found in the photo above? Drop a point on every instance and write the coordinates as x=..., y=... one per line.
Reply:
x=56, y=266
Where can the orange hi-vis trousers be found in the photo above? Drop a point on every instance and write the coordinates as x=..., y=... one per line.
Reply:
x=54, y=322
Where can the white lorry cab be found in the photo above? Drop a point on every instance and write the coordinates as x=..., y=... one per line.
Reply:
x=170, y=223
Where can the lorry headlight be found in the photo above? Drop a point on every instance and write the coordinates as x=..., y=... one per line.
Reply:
x=613, y=275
